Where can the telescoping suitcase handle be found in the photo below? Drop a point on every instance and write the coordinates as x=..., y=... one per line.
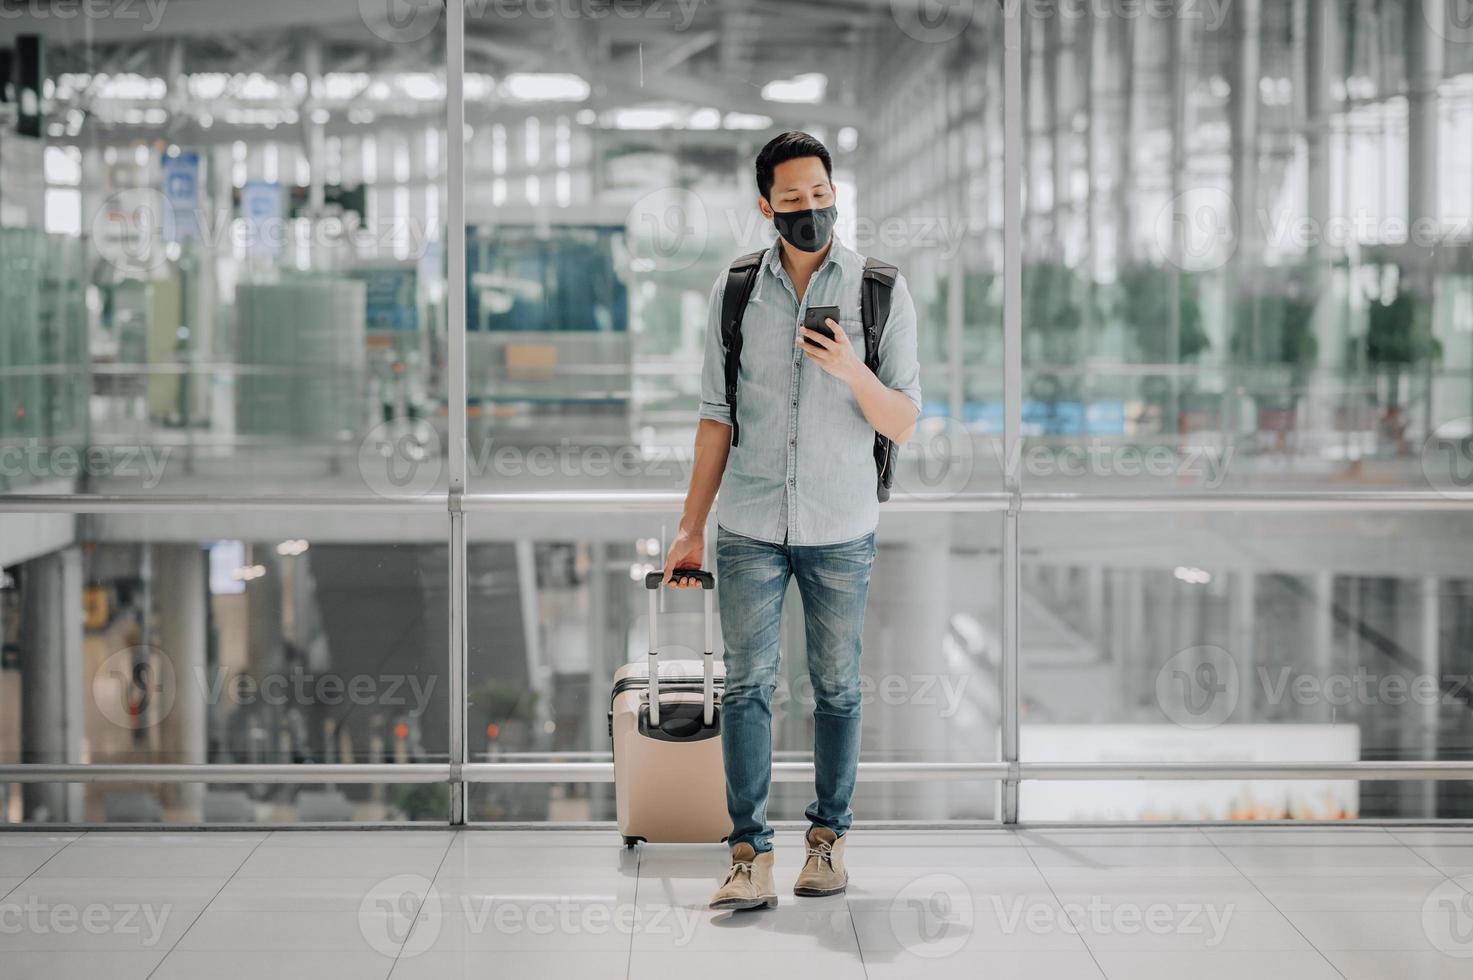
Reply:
x=708, y=693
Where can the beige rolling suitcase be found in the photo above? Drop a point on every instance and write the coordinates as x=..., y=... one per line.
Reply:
x=669, y=780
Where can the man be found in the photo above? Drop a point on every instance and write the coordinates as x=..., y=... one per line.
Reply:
x=798, y=498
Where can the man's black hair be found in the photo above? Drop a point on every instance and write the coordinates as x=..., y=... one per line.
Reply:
x=789, y=146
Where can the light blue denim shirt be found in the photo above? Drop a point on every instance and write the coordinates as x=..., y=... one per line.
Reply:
x=804, y=470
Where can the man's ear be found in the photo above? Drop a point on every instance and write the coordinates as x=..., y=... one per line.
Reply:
x=764, y=207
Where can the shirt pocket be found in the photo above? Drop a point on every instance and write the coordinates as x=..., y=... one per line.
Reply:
x=840, y=413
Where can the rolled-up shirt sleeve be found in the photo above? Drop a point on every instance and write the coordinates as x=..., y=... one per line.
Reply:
x=900, y=366
x=713, y=367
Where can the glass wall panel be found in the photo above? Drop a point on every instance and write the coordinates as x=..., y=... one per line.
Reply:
x=610, y=184
x=221, y=249
x=206, y=638
x=1246, y=246
x=1211, y=639
x=558, y=604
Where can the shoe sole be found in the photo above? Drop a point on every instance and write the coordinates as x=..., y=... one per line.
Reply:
x=806, y=892
x=742, y=904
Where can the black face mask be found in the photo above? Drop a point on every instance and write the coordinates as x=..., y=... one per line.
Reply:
x=807, y=229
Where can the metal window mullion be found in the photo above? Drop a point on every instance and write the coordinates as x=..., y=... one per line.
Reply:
x=455, y=358
x=1012, y=356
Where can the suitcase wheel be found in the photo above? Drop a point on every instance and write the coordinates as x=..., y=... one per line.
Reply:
x=629, y=842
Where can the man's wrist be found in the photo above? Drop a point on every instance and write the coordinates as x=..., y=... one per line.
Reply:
x=859, y=376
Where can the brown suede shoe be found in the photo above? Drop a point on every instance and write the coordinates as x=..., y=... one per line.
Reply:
x=823, y=872
x=748, y=884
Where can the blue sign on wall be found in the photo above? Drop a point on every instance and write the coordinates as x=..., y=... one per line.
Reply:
x=390, y=296
x=562, y=279
x=260, y=207
x=180, y=178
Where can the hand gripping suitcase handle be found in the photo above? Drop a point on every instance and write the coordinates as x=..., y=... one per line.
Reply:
x=708, y=697
x=708, y=581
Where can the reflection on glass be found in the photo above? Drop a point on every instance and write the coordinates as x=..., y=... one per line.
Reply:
x=1253, y=638
x=217, y=266
x=1242, y=241
x=302, y=643
x=552, y=619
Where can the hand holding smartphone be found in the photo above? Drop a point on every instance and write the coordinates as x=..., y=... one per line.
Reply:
x=813, y=319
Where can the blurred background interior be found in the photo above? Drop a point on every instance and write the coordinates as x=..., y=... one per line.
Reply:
x=1247, y=266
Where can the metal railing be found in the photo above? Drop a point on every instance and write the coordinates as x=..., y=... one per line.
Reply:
x=665, y=502
x=782, y=772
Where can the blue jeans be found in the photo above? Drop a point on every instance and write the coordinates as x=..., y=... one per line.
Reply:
x=833, y=581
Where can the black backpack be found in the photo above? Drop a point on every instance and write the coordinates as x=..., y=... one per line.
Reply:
x=874, y=311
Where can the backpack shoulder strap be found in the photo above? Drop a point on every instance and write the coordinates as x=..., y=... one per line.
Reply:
x=874, y=311
x=740, y=278
x=874, y=305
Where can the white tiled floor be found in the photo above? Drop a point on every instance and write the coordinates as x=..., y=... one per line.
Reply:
x=1258, y=903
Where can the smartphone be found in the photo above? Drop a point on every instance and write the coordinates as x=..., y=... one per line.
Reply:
x=813, y=319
